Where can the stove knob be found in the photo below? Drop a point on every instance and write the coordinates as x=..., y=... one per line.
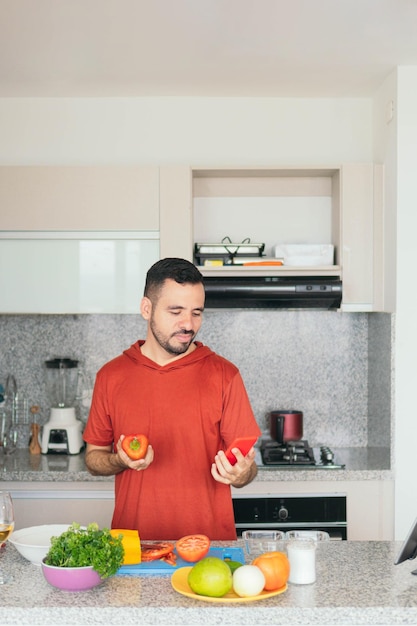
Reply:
x=283, y=513
x=326, y=454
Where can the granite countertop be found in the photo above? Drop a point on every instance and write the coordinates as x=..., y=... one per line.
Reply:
x=360, y=464
x=21, y=466
x=357, y=583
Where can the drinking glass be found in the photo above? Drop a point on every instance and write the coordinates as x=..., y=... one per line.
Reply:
x=6, y=526
x=3, y=426
x=9, y=439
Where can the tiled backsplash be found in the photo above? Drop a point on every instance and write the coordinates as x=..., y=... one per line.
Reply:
x=335, y=367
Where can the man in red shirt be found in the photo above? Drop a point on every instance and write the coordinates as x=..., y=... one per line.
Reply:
x=191, y=404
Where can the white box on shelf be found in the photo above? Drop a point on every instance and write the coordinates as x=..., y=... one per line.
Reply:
x=305, y=254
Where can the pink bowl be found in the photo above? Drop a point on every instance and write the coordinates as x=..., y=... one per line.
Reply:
x=71, y=578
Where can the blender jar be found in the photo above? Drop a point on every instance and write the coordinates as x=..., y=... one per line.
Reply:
x=62, y=382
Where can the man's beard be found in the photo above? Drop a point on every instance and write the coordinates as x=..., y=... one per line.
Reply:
x=164, y=342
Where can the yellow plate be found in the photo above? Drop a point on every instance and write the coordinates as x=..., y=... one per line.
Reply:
x=179, y=582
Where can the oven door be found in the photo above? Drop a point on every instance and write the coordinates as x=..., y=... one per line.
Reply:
x=292, y=512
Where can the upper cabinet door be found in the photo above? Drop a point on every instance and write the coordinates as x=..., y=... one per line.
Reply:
x=79, y=198
x=176, y=220
x=77, y=272
x=362, y=251
x=77, y=239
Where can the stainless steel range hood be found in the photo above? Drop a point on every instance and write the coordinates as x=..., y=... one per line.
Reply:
x=273, y=292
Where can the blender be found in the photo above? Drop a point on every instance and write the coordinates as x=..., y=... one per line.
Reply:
x=62, y=434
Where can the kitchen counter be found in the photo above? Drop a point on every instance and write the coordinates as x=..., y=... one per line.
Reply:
x=22, y=466
x=357, y=583
x=360, y=464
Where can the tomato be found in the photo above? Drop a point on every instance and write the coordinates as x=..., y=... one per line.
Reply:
x=275, y=567
x=135, y=446
x=159, y=551
x=192, y=548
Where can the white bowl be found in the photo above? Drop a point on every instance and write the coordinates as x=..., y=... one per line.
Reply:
x=34, y=542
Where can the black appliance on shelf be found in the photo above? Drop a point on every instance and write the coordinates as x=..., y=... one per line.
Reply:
x=276, y=292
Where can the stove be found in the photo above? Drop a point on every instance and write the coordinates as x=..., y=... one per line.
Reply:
x=297, y=455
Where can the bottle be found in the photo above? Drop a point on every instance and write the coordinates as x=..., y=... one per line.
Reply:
x=34, y=445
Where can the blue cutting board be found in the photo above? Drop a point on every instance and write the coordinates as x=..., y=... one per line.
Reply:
x=160, y=568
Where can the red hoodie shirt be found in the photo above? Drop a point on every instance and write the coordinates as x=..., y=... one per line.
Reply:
x=189, y=409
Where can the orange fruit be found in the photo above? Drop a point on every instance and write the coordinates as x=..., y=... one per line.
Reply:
x=275, y=567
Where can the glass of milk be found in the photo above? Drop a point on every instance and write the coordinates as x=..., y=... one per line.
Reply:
x=302, y=557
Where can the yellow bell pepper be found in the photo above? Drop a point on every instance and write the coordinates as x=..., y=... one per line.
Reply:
x=131, y=545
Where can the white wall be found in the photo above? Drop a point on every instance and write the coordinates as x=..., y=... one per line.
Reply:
x=406, y=327
x=395, y=145
x=385, y=151
x=185, y=130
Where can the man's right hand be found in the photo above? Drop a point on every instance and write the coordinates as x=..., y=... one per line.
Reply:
x=103, y=461
x=125, y=460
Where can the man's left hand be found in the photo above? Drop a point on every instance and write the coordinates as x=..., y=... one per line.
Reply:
x=238, y=475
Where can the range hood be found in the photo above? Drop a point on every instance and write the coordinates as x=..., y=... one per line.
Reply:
x=273, y=292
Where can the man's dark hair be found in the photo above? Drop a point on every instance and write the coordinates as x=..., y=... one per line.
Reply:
x=180, y=270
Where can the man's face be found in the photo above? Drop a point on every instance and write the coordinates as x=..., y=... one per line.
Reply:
x=175, y=317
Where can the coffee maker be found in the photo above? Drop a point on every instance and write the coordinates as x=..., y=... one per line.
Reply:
x=62, y=434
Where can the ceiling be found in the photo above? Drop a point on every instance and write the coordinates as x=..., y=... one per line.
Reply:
x=281, y=48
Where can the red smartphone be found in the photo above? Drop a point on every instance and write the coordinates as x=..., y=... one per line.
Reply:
x=244, y=444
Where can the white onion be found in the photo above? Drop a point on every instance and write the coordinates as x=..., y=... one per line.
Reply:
x=248, y=581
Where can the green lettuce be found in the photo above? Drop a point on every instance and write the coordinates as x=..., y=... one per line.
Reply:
x=91, y=546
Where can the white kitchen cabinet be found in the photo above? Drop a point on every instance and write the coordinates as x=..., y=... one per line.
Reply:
x=79, y=198
x=170, y=208
x=75, y=272
x=77, y=239
x=61, y=503
x=369, y=503
x=176, y=219
x=361, y=236
x=339, y=205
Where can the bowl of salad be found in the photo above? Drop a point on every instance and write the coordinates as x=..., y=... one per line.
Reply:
x=81, y=558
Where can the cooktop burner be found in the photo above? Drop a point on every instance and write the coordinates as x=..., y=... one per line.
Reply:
x=297, y=455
